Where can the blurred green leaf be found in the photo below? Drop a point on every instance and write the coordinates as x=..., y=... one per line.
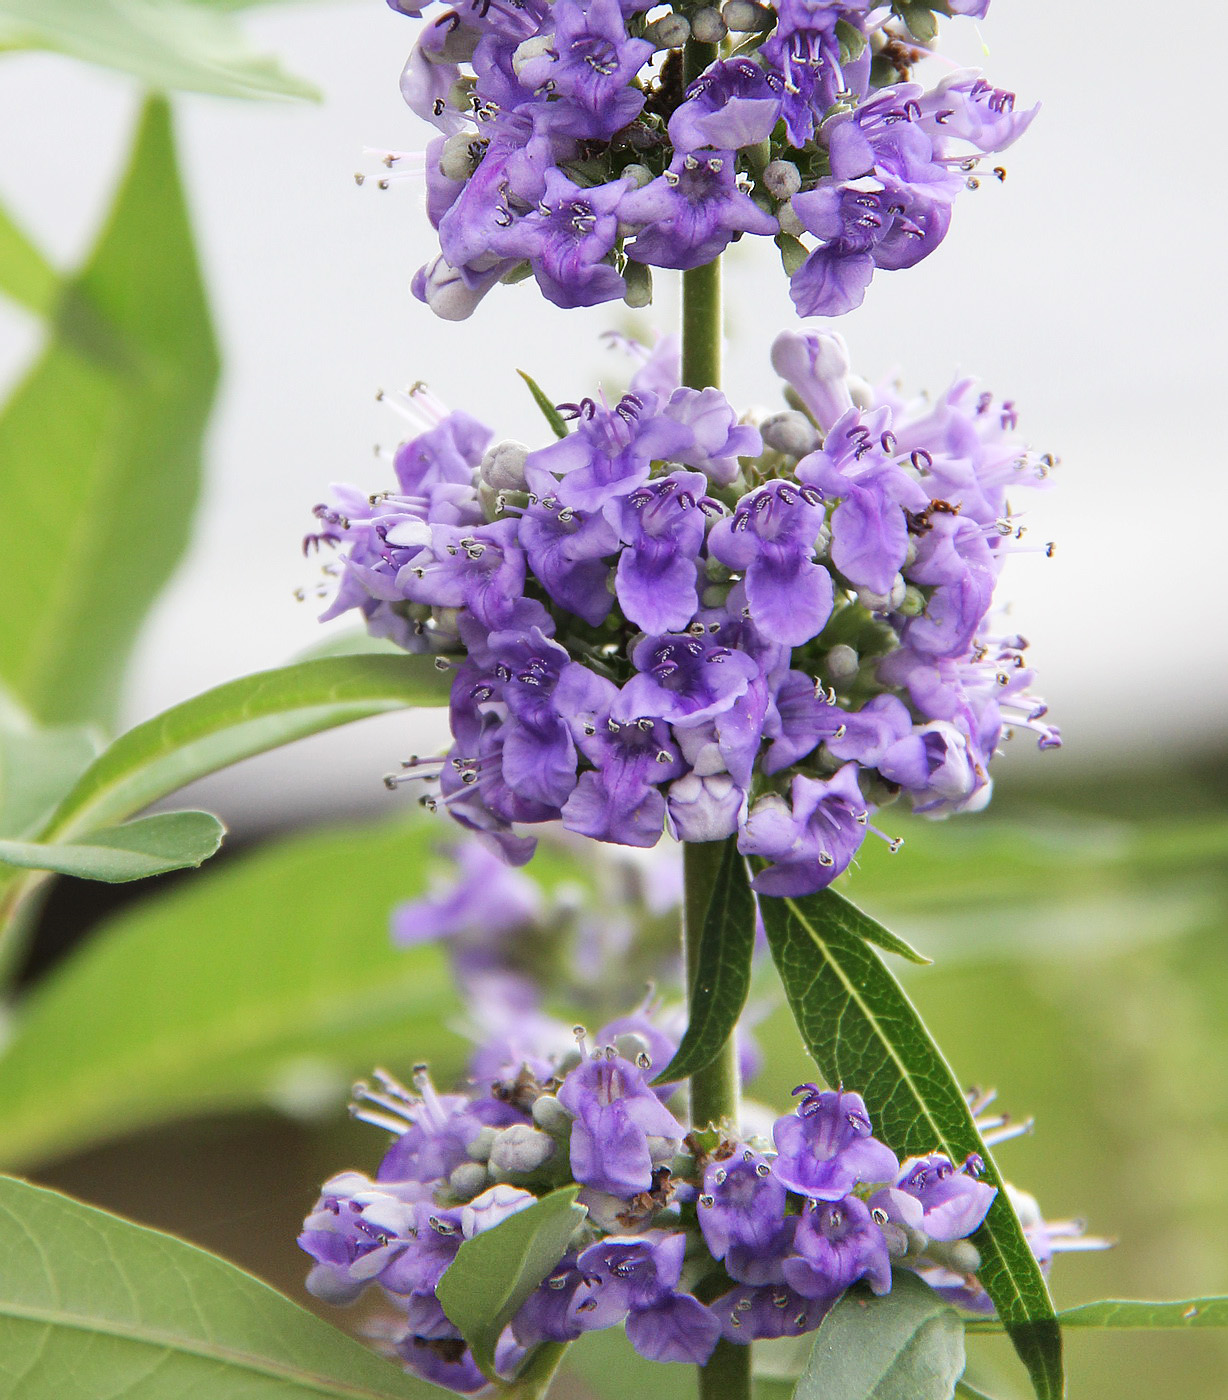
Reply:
x=25, y=275
x=93, y=1305
x=609, y=1368
x=37, y=767
x=1119, y=1314
x=272, y=980
x=494, y=1272
x=722, y=975
x=235, y=721
x=106, y=427
x=864, y=1033
x=133, y=851
x=964, y=1391
x=907, y=1345
x=167, y=44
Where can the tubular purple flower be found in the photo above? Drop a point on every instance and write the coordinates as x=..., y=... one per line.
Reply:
x=826, y=1148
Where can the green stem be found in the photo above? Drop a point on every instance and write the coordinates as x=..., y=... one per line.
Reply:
x=714, y=1090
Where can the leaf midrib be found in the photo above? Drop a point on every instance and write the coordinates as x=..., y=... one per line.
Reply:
x=165, y=1341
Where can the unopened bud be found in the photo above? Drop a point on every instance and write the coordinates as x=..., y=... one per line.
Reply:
x=468, y=1180
x=479, y=1148
x=631, y=1046
x=708, y=27
x=789, y=223
x=669, y=32
x=535, y=47
x=842, y=663
x=881, y=602
x=638, y=277
x=782, y=179
x=503, y=466
x=913, y=602
x=550, y=1115
x=640, y=175
x=743, y=17
x=456, y=158
x=520, y=1150
x=791, y=433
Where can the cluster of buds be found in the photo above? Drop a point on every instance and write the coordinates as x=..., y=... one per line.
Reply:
x=572, y=148
x=690, y=1235
x=672, y=617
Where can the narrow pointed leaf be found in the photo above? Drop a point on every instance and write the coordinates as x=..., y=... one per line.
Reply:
x=863, y=1032
x=167, y=44
x=108, y=425
x=93, y=1305
x=722, y=974
x=495, y=1272
x=25, y=275
x=907, y=1345
x=859, y=922
x=133, y=851
x=1119, y=1314
x=551, y=414
x=235, y=721
x=273, y=981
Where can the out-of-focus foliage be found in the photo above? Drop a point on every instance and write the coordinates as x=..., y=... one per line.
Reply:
x=107, y=425
x=167, y=44
x=91, y=1305
x=131, y=851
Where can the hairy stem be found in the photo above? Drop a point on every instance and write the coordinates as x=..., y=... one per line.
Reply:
x=714, y=1091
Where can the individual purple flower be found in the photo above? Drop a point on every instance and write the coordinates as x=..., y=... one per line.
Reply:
x=569, y=241
x=539, y=754
x=954, y=556
x=434, y=1130
x=678, y=1327
x=567, y=550
x=869, y=528
x=799, y=719
x=705, y=807
x=804, y=51
x=826, y=1148
x=689, y=215
x=946, y=1202
x=816, y=368
x=965, y=107
x=685, y=679
x=753, y=1314
x=481, y=569
x=770, y=539
x=609, y=454
x=548, y=1314
x=742, y=1203
x=588, y=70
x=810, y=840
x=837, y=1243
x=732, y=104
x=662, y=526
x=357, y=1234
x=936, y=763
x=718, y=438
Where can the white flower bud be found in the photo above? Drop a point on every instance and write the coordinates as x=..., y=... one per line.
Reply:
x=519, y=1150
x=789, y=222
x=782, y=179
x=638, y=277
x=669, y=32
x=550, y=1115
x=791, y=433
x=456, y=159
x=468, y=1180
x=842, y=663
x=913, y=602
x=708, y=27
x=880, y=602
x=479, y=1148
x=503, y=466
x=743, y=17
x=639, y=174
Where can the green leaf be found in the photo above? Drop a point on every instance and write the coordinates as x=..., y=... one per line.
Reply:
x=864, y=1033
x=1118, y=1314
x=25, y=275
x=907, y=1345
x=93, y=1305
x=107, y=425
x=494, y=1272
x=551, y=414
x=859, y=922
x=964, y=1391
x=167, y=44
x=722, y=973
x=133, y=851
x=235, y=721
x=37, y=767
x=919, y=18
x=273, y=980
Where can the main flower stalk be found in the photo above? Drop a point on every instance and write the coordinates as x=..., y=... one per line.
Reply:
x=714, y=1090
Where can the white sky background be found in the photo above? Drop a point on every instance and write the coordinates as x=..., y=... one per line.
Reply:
x=1090, y=287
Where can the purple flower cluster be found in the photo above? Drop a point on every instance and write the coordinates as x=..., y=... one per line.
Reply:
x=768, y=1233
x=571, y=149
x=671, y=618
